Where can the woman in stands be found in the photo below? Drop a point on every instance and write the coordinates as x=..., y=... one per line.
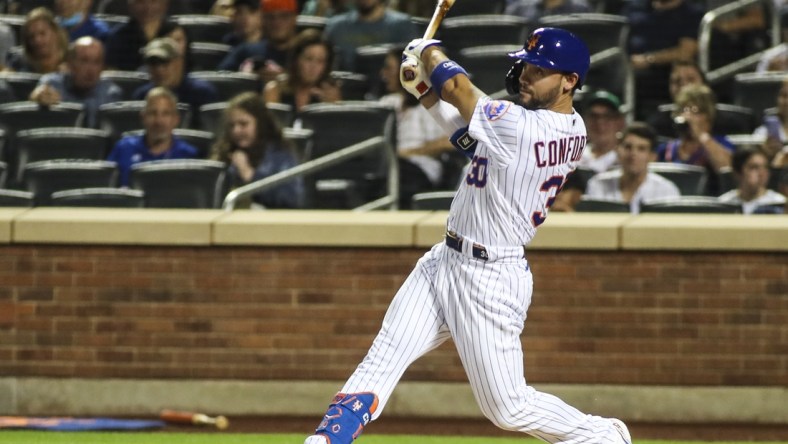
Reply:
x=253, y=147
x=45, y=44
x=751, y=168
x=308, y=78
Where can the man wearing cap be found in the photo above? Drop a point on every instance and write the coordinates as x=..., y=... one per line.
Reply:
x=604, y=122
x=82, y=83
x=268, y=56
x=148, y=20
x=372, y=22
x=166, y=66
x=159, y=118
x=247, y=23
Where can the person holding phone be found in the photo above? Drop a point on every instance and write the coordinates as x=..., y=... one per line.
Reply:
x=775, y=130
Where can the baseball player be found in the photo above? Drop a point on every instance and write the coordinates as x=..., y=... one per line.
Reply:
x=475, y=286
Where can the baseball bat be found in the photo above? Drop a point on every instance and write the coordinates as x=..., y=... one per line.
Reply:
x=177, y=417
x=441, y=9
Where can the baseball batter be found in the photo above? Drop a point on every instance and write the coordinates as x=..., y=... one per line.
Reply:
x=476, y=286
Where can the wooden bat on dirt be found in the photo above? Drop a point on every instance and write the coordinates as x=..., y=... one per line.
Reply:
x=176, y=417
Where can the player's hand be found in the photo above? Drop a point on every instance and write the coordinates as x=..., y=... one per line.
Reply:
x=413, y=77
x=417, y=46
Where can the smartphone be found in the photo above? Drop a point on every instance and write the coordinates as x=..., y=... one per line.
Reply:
x=772, y=124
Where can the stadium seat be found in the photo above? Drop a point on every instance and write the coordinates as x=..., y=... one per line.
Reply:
x=474, y=7
x=432, y=200
x=38, y=144
x=354, y=86
x=202, y=140
x=20, y=83
x=207, y=56
x=689, y=204
x=310, y=22
x=283, y=112
x=16, y=198
x=229, y=84
x=369, y=61
x=690, y=179
x=729, y=119
x=365, y=174
x=211, y=117
x=118, y=117
x=128, y=81
x=3, y=174
x=487, y=65
x=204, y=28
x=757, y=91
x=98, y=197
x=588, y=205
x=301, y=140
x=187, y=183
x=459, y=32
x=48, y=176
x=599, y=31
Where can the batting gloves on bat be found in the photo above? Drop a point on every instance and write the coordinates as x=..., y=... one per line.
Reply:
x=417, y=46
x=413, y=77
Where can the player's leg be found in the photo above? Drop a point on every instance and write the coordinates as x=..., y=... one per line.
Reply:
x=486, y=318
x=412, y=326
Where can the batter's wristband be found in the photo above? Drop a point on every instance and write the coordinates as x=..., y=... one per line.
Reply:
x=443, y=72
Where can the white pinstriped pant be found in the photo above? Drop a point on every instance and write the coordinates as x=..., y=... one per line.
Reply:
x=482, y=306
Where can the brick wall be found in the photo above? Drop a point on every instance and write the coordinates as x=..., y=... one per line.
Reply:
x=310, y=314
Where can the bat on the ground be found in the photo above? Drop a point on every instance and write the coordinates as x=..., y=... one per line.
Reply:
x=437, y=17
x=173, y=416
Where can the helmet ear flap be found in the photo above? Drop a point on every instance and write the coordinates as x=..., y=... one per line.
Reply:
x=513, y=77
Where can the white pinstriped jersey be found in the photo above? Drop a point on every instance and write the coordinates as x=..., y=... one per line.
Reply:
x=521, y=161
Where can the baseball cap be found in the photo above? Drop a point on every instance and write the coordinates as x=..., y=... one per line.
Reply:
x=279, y=5
x=605, y=98
x=163, y=49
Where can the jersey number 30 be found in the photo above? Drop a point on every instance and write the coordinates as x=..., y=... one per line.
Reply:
x=553, y=186
x=477, y=173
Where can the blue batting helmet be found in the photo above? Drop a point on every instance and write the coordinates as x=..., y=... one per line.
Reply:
x=558, y=49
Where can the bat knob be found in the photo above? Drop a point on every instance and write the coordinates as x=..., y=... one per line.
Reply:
x=409, y=74
x=222, y=422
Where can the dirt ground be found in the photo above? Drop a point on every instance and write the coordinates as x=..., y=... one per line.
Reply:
x=478, y=427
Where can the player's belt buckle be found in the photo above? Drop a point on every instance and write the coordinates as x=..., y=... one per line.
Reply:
x=454, y=242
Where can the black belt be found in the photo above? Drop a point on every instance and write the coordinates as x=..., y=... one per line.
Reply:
x=455, y=243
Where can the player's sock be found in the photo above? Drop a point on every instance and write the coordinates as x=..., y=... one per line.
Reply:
x=345, y=418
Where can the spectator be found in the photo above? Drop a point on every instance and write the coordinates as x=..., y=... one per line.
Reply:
x=661, y=32
x=148, y=20
x=695, y=112
x=751, y=169
x=308, y=78
x=604, y=123
x=7, y=41
x=775, y=130
x=81, y=82
x=370, y=23
x=183, y=42
x=269, y=56
x=533, y=10
x=330, y=8
x=737, y=35
x=633, y=183
x=45, y=44
x=75, y=17
x=419, y=139
x=222, y=8
x=253, y=147
x=167, y=68
x=682, y=73
x=159, y=118
x=247, y=23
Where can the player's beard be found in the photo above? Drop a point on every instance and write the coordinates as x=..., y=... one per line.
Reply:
x=542, y=101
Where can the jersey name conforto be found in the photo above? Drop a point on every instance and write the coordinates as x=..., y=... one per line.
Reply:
x=563, y=150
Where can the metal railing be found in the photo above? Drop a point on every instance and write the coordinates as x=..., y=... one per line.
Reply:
x=707, y=27
x=312, y=166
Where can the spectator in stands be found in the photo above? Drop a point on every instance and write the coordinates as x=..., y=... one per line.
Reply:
x=533, y=10
x=604, y=123
x=329, y=8
x=308, y=78
x=222, y=8
x=661, y=32
x=81, y=82
x=370, y=23
x=45, y=44
x=695, y=112
x=419, y=139
x=751, y=169
x=7, y=41
x=682, y=73
x=737, y=35
x=167, y=68
x=267, y=57
x=148, y=20
x=775, y=130
x=247, y=23
x=159, y=118
x=253, y=146
x=633, y=183
x=181, y=38
x=75, y=17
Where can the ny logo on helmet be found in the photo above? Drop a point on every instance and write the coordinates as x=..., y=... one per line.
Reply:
x=532, y=42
